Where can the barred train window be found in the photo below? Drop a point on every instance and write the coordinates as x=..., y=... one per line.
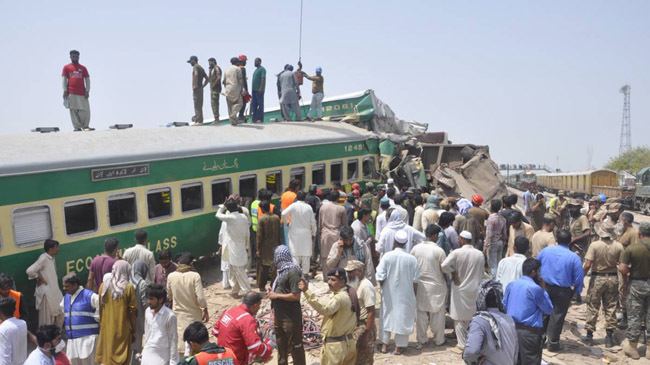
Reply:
x=318, y=174
x=32, y=225
x=220, y=191
x=248, y=186
x=353, y=169
x=80, y=216
x=298, y=173
x=274, y=182
x=159, y=203
x=191, y=197
x=122, y=209
x=369, y=168
x=336, y=171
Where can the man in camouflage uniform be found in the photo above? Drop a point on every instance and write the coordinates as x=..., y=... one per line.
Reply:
x=602, y=258
x=630, y=235
x=214, y=78
x=559, y=209
x=579, y=228
x=635, y=261
x=366, y=331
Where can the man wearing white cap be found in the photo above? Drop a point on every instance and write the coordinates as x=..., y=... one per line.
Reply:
x=466, y=266
x=390, y=184
x=398, y=277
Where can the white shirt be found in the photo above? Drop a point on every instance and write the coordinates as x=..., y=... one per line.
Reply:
x=417, y=218
x=405, y=216
x=399, y=271
x=302, y=227
x=469, y=263
x=432, y=287
x=49, y=293
x=141, y=252
x=82, y=347
x=452, y=236
x=235, y=237
x=380, y=224
x=37, y=357
x=13, y=341
x=160, y=338
x=509, y=269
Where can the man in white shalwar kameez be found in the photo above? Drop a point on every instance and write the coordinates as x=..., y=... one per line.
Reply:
x=466, y=265
x=397, y=274
x=160, y=330
x=394, y=225
x=381, y=222
x=48, y=295
x=302, y=231
x=432, y=288
x=235, y=238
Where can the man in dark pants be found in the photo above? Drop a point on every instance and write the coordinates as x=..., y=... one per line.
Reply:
x=285, y=301
x=527, y=302
x=242, y=65
x=563, y=275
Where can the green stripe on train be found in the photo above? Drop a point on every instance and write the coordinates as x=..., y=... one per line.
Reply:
x=26, y=188
x=198, y=235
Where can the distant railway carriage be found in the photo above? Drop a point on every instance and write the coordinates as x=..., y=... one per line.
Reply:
x=522, y=180
x=81, y=188
x=642, y=194
x=583, y=183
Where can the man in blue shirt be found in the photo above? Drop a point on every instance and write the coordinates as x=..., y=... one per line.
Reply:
x=526, y=302
x=563, y=275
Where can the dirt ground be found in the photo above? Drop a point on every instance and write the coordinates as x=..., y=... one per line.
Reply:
x=575, y=352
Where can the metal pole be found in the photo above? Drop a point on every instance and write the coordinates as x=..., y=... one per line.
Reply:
x=300, y=39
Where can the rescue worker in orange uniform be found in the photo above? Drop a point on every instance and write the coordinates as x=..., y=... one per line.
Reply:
x=204, y=352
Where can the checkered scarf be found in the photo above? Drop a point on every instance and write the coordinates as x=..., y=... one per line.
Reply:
x=481, y=307
x=283, y=262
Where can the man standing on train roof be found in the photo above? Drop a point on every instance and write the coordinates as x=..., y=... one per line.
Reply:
x=48, y=295
x=288, y=93
x=233, y=82
x=76, y=91
x=259, y=85
x=317, y=94
x=245, y=95
x=141, y=252
x=199, y=80
x=214, y=78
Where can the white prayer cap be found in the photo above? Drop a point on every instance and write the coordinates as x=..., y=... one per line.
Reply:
x=390, y=181
x=401, y=236
x=466, y=235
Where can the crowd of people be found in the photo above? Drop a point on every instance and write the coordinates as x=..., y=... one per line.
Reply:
x=233, y=83
x=505, y=275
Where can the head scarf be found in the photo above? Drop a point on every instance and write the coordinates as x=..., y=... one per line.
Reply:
x=139, y=271
x=463, y=206
x=121, y=277
x=283, y=262
x=481, y=307
x=432, y=202
x=396, y=223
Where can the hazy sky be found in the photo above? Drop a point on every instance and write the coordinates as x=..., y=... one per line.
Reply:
x=534, y=80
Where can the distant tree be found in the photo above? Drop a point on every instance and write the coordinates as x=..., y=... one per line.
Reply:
x=632, y=161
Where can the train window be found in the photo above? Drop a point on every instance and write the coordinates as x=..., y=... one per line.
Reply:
x=191, y=197
x=220, y=191
x=159, y=203
x=353, y=169
x=32, y=225
x=318, y=174
x=298, y=173
x=273, y=182
x=80, y=216
x=369, y=171
x=336, y=171
x=122, y=209
x=248, y=186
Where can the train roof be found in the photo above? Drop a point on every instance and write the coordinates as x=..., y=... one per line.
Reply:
x=576, y=173
x=41, y=152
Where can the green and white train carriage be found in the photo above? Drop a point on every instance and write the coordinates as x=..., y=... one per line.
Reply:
x=80, y=188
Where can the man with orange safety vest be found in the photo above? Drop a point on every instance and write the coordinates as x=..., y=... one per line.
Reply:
x=204, y=352
x=6, y=291
x=237, y=330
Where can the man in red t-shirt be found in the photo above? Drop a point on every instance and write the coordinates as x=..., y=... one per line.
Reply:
x=76, y=89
